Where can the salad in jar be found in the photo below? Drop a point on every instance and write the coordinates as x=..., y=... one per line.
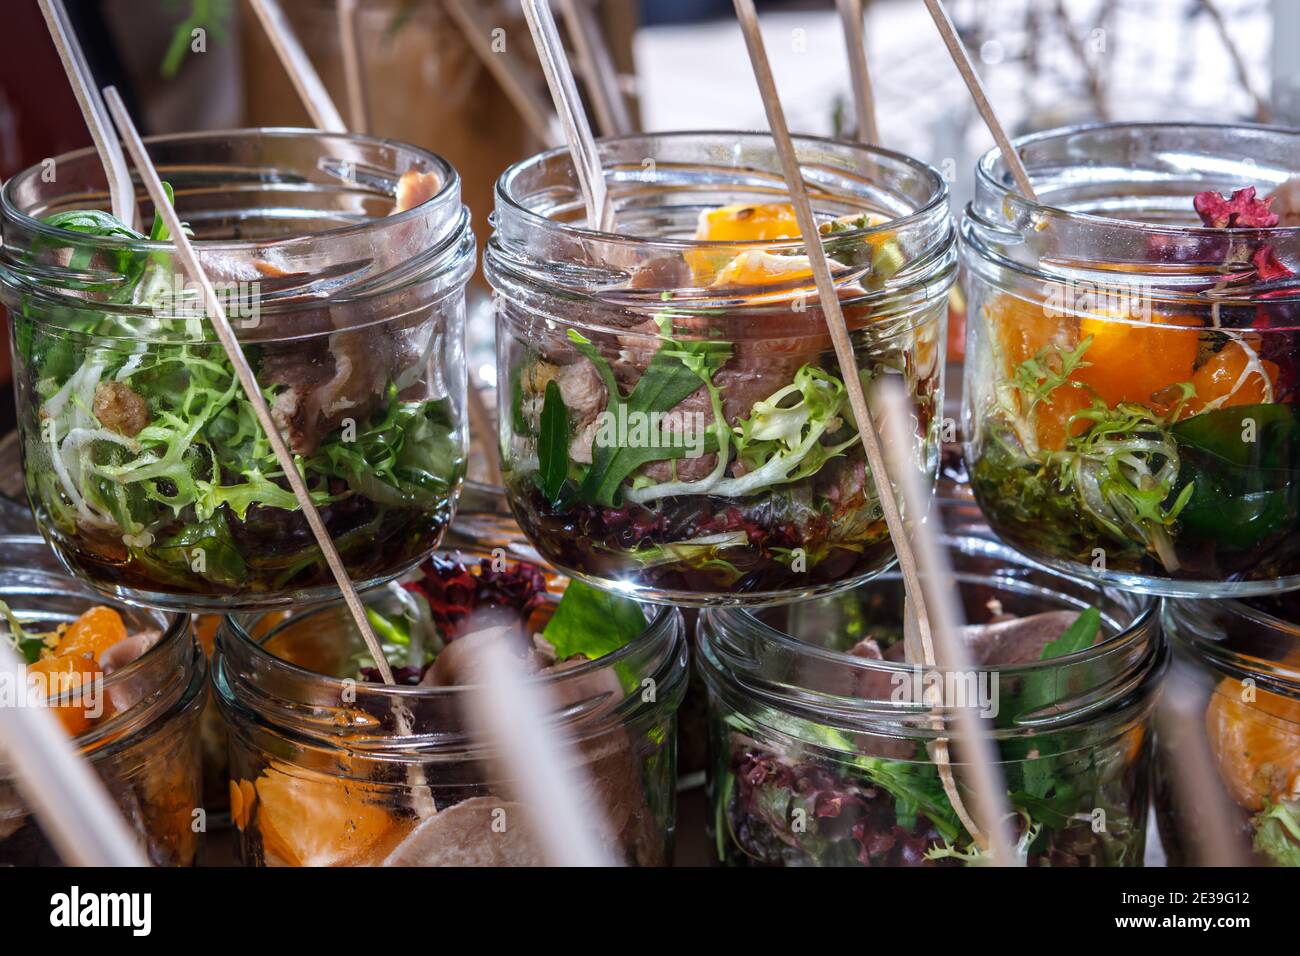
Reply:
x=144, y=463
x=822, y=750
x=127, y=686
x=321, y=773
x=1132, y=396
x=674, y=421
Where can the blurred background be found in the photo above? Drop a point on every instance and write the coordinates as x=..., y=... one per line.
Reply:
x=204, y=64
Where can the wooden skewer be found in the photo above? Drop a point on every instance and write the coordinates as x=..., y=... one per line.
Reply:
x=597, y=68
x=74, y=807
x=304, y=77
x=966, y=67
x=354, y=74
x=514, y=717
x=221, y=325
x=121, y=190
x=573, y=119
x=838, y=329
x=1180, y=723
x=514, y=82
x=989, y=786
x=864, y=104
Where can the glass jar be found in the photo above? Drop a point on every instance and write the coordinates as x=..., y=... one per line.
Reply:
x=1130, y=408
x=819, y=753
x=139, y=728
x=1245, y=660
x=321, y=776
x=697, y=448
x=144, y=464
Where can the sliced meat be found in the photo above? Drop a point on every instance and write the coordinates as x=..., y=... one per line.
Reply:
x=120, y=408
x=124, y=696
x=480, y=831
x=1016, y=641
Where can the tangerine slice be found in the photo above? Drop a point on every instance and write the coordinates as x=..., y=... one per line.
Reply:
x=309, y=819
x=91, y=634
x=747, y=222
x=1217, y=378
x=1256, y=744
x=62, y=676
x=1130, y=362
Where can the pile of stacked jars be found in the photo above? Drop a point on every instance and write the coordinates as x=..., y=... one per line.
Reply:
x=677, y=445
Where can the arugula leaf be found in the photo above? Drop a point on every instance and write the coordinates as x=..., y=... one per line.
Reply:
x=27, y=645
x=553, y=442
x=592, y=622
x=675, y=372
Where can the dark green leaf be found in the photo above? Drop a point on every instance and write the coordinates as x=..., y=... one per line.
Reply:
x=1242, y=464
x=553, y=442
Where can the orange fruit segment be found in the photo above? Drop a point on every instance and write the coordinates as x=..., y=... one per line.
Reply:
x=740, y=222
x=1256, y=744
x=308, y=819
x=745, y=222
x=91, y=634
x=757, y=267
x=1218, y=378
x=59, y=676
x=1132, y=362
x=243, y=797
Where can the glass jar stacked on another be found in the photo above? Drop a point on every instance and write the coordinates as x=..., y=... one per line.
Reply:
x=821, y=740
x=342, y=263
x=674, y=424
x=1131, y=400
x=127, y=686
x=323, y=775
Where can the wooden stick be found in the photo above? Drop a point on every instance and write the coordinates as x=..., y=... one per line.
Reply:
x=1180, y=724
x=1263, y=112
x=864, y=104
x=994, y=813
x=221, y=325
x=75, y=810
x=121, y=190
x=354, y=73
x=505, y=69
x=514, y=717
x=573, y=118
x=597, y=68
x=966, y=67
x=302, y=74
x=839, y=332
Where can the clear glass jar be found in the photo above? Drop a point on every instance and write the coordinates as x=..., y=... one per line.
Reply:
x=144, y=743
x=726, y=469
x=1245, y=660
x=819, y=754
x=146, y=469
x=1130, y=408
x=320, y=776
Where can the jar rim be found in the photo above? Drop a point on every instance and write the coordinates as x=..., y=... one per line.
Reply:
x=991, y=163
x=665, y=619
x=747, y=623
x=505, y=196
x=449, y=185
x=176, y=630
